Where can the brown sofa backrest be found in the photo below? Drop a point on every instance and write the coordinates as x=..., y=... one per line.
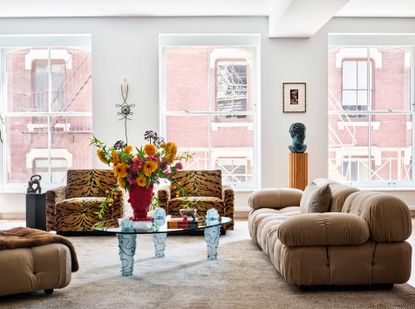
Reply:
x=88, y=183
x=388, y=217
x=199, y=182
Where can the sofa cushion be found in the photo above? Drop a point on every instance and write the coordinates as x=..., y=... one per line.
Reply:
x=275, y=198
x=201, y=203
x=339, y=193
x=315, y=198
x=78, y=214
x=328, y=229
x=259, y=218
x=388, y=216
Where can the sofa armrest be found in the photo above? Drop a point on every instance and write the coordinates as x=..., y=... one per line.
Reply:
x=275, y=198
x=163, y=195
x=228, y=197
x=53, y=197
x=323, y=229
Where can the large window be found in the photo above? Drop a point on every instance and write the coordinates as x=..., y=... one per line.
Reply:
x=46, y=104
x=209, y=105
x=371, y=115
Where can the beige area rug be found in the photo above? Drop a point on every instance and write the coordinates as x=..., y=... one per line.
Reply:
x=242, y=277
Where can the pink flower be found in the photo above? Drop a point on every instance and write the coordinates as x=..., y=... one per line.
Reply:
x=137, y=165
x=131, y=180
x=179, y=165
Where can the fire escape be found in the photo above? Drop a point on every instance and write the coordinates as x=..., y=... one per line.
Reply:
x=62, y=101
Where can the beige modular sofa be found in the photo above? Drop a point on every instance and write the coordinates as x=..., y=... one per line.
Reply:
x=361, y=240
x=24, y=270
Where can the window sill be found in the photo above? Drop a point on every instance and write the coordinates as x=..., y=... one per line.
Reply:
x=389, y=189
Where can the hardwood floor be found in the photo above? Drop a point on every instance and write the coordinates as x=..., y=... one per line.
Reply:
x=8, y=224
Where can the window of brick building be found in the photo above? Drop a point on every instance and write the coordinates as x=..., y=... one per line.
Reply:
x=47, y=107
x=209, y=104
x=356, y=85
x=40, y=84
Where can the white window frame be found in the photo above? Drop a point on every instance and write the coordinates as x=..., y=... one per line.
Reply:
x=10, y=42
x=252, y=41
x=370, y=42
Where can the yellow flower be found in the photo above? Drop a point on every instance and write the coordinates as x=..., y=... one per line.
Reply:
x=115, y=157
x=121, y=182
x=120, y=170
x=170, y=150
x=150, y=167
x=128, y=149
x=141, y=181
x=150, y=149
x=101, y=156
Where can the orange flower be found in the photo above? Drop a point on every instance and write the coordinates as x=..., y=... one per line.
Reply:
x=150, y=149
x=101, y=156
x=120, y=170
x=121, y=182
x=149, y=167
x=128, y=149
x=141, y=181
x=115, y=157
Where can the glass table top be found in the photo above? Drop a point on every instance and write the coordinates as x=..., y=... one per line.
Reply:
x=154, y=229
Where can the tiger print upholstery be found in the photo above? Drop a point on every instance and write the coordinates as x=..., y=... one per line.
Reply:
x=204, y=191
x=72, y=208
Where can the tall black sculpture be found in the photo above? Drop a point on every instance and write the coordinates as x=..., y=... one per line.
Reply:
x=125, y=108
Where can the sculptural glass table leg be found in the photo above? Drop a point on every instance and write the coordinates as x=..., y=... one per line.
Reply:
x=159, y=240
x=212, y=240
x=127, y=244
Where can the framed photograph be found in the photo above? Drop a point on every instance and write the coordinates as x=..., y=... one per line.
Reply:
x=294, y=97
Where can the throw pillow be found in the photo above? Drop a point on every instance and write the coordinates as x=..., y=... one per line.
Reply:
x=316, y=198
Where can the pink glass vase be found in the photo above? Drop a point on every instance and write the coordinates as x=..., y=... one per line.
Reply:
x=140, y=201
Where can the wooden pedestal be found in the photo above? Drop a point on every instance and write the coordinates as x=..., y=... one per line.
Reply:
x=298, y=170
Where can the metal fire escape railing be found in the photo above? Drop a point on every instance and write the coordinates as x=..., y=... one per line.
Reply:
x=335, y=140
x=62, y=100
x=231, y=83
x=73, y=85
x=382, y=172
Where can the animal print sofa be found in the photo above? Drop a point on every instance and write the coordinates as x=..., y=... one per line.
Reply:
x=359, y=240
x=203, y=190
x=72, y=208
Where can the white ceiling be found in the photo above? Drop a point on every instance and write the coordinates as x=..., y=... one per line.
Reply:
x=288, y=18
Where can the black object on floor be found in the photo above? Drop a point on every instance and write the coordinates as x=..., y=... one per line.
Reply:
x=36, y=210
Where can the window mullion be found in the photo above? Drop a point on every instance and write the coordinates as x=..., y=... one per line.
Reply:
x=412, y=109
x=209, y=90
x=3, y=112
x=49, y=116
x=369, y=107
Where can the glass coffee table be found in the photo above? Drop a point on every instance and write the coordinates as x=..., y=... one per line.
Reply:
x=127, y=240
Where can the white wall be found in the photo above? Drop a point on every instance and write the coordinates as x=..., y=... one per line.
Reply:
x=128, y=48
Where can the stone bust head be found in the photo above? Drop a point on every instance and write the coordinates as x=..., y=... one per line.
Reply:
x=297, y=132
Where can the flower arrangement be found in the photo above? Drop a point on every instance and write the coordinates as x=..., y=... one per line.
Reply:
x=138, y=171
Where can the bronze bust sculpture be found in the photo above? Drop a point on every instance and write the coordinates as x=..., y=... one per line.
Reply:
x=297, y=132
